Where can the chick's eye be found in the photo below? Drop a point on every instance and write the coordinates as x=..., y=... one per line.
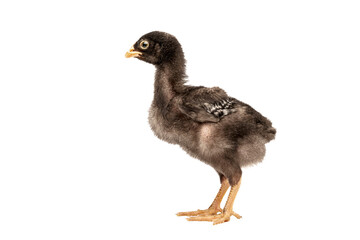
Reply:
x=144, y=44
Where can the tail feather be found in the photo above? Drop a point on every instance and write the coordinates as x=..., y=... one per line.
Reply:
x=270, y=133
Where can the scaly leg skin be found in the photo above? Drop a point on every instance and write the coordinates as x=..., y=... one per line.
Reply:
x=214, y=207
x=228, y=209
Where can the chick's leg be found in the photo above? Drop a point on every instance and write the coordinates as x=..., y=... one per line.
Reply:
x=228, y=209
x=214, y=207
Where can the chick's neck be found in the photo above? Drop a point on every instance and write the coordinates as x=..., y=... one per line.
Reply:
x=169, y=81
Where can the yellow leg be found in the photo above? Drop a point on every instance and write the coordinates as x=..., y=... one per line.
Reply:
x=214, y=207
x=228, y=209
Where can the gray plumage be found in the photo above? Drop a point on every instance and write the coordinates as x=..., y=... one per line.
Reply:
x=219, y=130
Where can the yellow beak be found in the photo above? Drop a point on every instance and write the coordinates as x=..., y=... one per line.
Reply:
x=132, y=53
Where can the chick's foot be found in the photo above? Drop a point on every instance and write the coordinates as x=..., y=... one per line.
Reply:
x=215, y=218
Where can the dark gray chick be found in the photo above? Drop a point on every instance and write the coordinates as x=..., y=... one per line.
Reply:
x=219, y=130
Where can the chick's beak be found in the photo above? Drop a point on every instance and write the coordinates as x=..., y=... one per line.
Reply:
x=132, y=53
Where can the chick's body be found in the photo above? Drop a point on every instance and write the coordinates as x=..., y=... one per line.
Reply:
x=235, y=141
x=219, y=130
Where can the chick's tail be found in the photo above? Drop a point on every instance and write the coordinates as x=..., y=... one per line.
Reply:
x=270, y=134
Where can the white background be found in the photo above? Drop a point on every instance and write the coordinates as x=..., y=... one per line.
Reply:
x=79, y=161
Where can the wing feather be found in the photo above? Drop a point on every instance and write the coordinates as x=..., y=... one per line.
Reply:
x=207, y=104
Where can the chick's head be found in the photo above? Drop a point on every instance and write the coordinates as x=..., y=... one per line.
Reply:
x=156, y=48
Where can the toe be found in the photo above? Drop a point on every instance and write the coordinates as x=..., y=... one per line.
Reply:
x=205, y=212
x=208, y=218
x=191, y=213
x=225, y=217
x=222, y=218
x=236, y=215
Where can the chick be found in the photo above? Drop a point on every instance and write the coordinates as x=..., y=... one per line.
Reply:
x=209, y=125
